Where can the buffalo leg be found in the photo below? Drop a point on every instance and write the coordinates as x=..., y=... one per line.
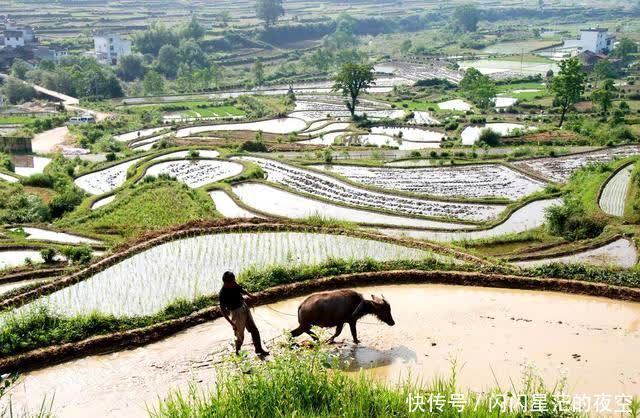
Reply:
x=338, y=331
x=312, y=335
x=298, y=331
x=354, y=331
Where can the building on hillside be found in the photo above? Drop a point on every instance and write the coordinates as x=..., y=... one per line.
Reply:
x=596, y=40
x=13, y=39
x=54, y=54
x=110, y=47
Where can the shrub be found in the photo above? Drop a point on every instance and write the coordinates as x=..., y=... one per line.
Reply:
x=39, y=180
x=489, y=137
x=193, y=153
x=48, y=255
x=77, y=255
x=65, y=201
x=571, y=222
x=110, y=156
x=254, y=146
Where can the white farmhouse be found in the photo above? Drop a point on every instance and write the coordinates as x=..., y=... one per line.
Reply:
x=110, y=47
x=13, y=38
x=596, y=40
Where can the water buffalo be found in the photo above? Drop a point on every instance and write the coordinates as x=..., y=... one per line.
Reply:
x=335, y=308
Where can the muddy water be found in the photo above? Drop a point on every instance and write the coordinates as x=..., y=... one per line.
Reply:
x=592, y=341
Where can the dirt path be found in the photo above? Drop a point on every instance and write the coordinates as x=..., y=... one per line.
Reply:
x=50, y=140
x=592, y=341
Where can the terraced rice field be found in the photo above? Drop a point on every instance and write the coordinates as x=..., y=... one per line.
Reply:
x=274, y=126
x=8, y=178
x=145, y=283
x=14, y=258
x=227, y=207
x=339, y=126
x=55, y=236
x=102, y=202
x=455, y=104
x=147, y=144
x=621, y=253
x=409, y=134
x=468, y=181
x=560, y=169
x=202, y=153
x=130, y=136
x=28, y=165
x=314, y=115
x=107, y=180
x=474, y=325
x=471, y=134
x=196, y=173
x=614, y=194
x=281, y=203
x=327, y=187
x=424, y=118
x=528, y=217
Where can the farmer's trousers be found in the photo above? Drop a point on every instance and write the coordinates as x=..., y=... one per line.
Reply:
x=242, y=319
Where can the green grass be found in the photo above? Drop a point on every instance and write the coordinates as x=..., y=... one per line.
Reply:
x=16, y=120
x=148, y=206
x=308, y=382
x=207, y=109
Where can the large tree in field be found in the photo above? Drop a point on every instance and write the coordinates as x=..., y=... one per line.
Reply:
x=466, y=17
x=269, y=11
x=478, y=87
x=568, y=85
x=351, y=80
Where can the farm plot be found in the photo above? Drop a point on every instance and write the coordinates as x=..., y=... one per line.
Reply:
x=8, y=178
x=456, y=104
x=620, y=253
x=409, y=134
x=130, y=136
x=227, y=207
x=203, y=153
x=614, y=193
x=275, y=126
x=325, y=139
x=103, y=202
x=340, y=126
x=27, y=165
x=560, y=169
x=147, y=144
x=470, y=181
x=528, y=217
x=281, y=203
x=471, y=134
x=314, y=115
x=147, y=282
x=14, y=258
x=40, y=234
x=424, y=118
x=104, y=181
x=196, y=173
x=327, y=187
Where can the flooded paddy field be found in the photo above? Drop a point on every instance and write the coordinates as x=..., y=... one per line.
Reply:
x=468, y=181
x=493, y=335
x=560, y=168
x=196, y=173
x=106, y=180
x=324, y=186
x=147, y=282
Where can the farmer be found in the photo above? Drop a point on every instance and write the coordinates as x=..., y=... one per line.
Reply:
x=236, y=311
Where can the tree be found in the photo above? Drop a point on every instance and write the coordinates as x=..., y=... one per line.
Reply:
x=405, y=46
x=19, y=69
x=17, y=91
x=352, y=79
x=568, y=85
x=269, y=11
x=130, y=67
x=624, y=49
x=602, y=70
x=258, y=72
x=153, y=83
x=478, y=87
x=153, y=39
x=191, y=54
x=604, y=96
x=168, y=61
x=193, y=29
x=466, y=17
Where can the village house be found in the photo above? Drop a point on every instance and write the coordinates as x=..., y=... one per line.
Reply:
x=110, y=47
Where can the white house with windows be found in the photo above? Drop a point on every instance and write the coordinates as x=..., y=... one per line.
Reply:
x=596, y=40
x=110, y=47
x=13, y=39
